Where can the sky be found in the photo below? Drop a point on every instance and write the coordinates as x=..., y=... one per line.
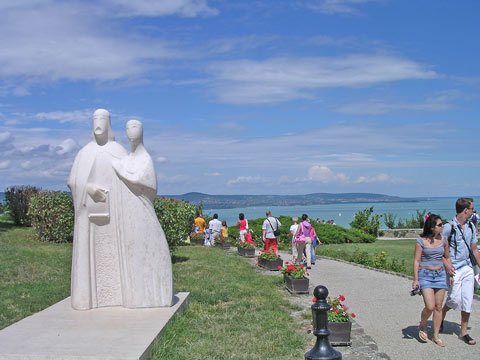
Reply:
x=248, y=97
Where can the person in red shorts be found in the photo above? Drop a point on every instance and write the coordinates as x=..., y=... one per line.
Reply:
x=269, y=227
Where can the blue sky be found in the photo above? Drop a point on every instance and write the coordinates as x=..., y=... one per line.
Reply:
x=248, y=97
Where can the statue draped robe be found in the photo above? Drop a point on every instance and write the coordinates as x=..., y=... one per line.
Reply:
x=96, y=258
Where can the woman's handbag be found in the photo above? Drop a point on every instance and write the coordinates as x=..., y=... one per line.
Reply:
x=300, y=238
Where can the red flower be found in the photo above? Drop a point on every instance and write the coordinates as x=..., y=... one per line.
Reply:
x=335, y=311
x=279, y=267
x=286, y=262
x=341, y=298
x=314, y=299
x=353, y=315
x=308, y=274
x=256, y=264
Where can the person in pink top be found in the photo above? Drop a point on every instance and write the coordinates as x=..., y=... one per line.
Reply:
x=306, y=230
x=243, y=226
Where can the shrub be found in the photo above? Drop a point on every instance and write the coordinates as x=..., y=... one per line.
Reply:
x=52, y=214
x=414, y=222
x=17, y=199
x=377, y=260
x=176, y=218
x=327, y=233
x=364, y=220
x=390, y=219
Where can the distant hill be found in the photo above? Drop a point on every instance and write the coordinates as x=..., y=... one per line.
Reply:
x=234, y=201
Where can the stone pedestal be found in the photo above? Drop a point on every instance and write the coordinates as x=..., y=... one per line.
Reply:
x=59, y=332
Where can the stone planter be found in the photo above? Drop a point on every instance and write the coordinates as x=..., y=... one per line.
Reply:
x=340, y=335
x=270, y=264
x=199, y=241
x=247, y=252
x=225, y=245
x=296, y=286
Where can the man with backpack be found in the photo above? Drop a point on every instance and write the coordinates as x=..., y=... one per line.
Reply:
x=462, y=239
x=271, y=232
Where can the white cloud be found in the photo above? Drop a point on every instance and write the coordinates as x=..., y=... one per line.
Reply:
x=380, y=178
x=380, y=108
x=248, y=180
x=4, y=164
x=67, y=146
x=79, y=116
x=186, y=8
x=283, y=79
x=212, y=174
x=51, y=41
x=331, y=7
x=323, y=174
x=6, y=141
x=161, y=159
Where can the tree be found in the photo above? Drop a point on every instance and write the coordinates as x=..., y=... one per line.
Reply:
x=364, y=220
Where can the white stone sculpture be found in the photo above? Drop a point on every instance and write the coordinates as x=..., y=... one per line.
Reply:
x=106, y=251
x=148, y=268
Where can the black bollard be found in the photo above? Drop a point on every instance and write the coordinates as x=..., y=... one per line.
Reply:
x=322, y=349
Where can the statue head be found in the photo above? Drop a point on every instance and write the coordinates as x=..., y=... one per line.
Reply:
x=135, y=131
x=102, y=128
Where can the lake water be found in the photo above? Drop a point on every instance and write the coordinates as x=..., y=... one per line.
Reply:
x=343, y=214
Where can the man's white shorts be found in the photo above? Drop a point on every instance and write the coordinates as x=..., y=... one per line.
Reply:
x=460, y=295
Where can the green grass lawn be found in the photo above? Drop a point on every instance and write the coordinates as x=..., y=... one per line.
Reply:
x=33, y=275
x=398, y=249
x=235, y=312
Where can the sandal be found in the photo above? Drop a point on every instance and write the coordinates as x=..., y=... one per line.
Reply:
x=468, y=339
x=422, y=335
x=439, y=342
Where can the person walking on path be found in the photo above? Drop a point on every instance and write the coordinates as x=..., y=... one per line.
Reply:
x=215, y=227
x=199, y=222
x=462, y=239
x=270, y=228
x=429, y=275
x=305, y=231
x=242, y=226
x=293, y=231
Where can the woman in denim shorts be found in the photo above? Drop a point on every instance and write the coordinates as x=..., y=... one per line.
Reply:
x=429, y=275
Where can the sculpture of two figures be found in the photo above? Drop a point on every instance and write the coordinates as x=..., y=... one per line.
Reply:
x=120, y=253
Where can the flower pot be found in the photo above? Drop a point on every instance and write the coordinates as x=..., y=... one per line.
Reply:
x=296, y=286
x=200, y=241
x=247, y=252
x=270, y=264
x=340, y=333
x=225, y=245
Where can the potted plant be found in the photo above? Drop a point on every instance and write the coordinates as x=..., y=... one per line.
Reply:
x=246, y=249
x=270, y=261
x=295, y=278
x=339, y=321
x=225, y=243
x=198, y=239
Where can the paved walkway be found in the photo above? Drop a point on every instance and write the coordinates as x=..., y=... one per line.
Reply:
x=388, y=313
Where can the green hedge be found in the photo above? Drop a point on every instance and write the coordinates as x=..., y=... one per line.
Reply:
x=51, y=214
x=377, y=260
x=176, y=218
x=328, y=234
x=17, y=200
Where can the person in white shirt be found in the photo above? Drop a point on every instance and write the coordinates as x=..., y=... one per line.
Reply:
x=293, y=231
x=215, y=227
x=269, y=227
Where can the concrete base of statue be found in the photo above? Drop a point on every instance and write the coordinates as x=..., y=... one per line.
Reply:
x=59, y=332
